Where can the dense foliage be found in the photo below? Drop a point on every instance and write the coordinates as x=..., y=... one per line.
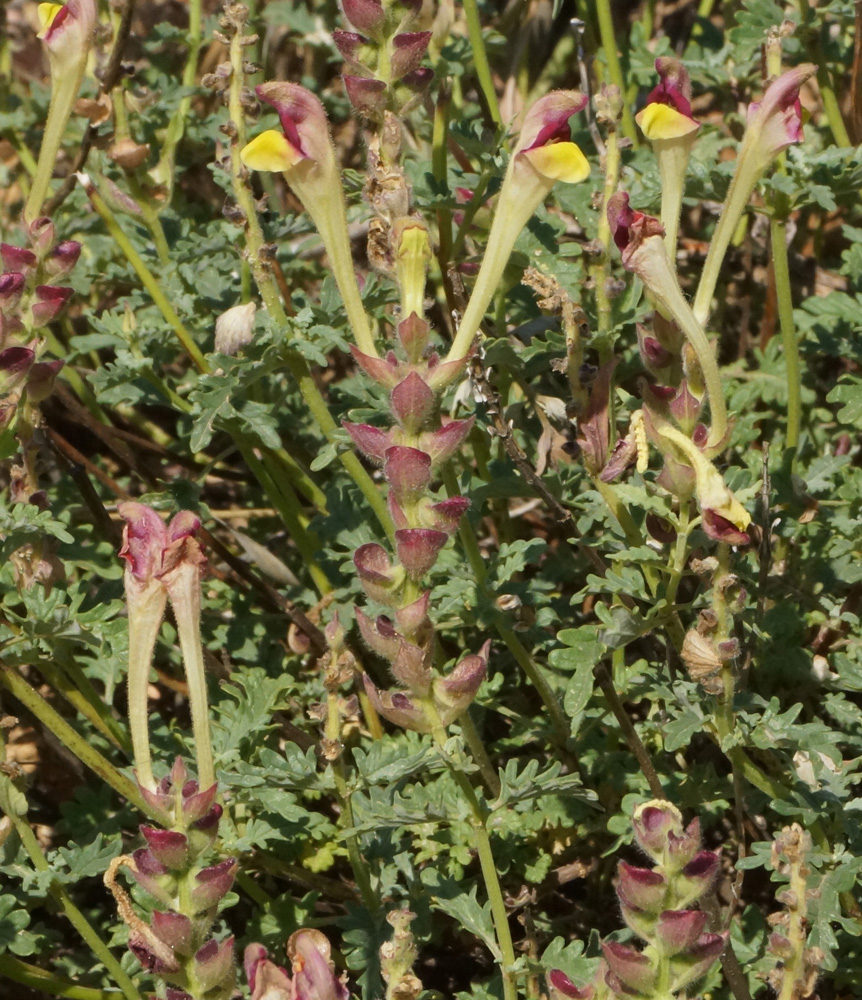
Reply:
x=569, y=580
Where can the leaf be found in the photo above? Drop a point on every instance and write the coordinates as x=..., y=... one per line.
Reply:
x=679, y=732
x=583, y=652
x=449, y=896
x=621, y=626
x=848, y=392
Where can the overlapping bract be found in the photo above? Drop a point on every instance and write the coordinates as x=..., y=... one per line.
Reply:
x=657, y=905
x=410, y=452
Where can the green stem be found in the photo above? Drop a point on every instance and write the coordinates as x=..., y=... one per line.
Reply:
x=68, y=680
x=479, y=753
x=56, y=724
x=615, y=70
x=286, y=503
x=148, y=213
x=440, y=171
x=629, y=732
x=75, y=917
x=480, y=60
x=148, y=280
x=357, y=862
x=676, y=568
x=163, y=172
x=784, y=296
x=559, y=721
x=36, y=978
x=668, y=294
x=489, y=870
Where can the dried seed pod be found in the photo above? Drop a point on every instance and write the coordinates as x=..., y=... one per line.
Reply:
x=702, y=662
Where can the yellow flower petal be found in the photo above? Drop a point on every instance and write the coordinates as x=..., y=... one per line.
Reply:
x=559, y=161
x=661, y=121
x=270, y=151
x=47, y=12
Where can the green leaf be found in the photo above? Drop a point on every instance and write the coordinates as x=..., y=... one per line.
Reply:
x=848, y=392
x=583, y=652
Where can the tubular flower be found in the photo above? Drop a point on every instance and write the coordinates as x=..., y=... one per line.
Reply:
x=667, y=122
x=304, y=153
x=724, y=517
x=773, y=124
x=544, y=154
x=162, y=560
x=67, y=31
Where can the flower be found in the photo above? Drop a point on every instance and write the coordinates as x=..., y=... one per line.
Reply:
x=313, y=974
x=773, y=124
x=67, y=31
x=163, y=560
x=543, y=155
x=667, y=113
x=304, y=153
x=667, y=122
x=723, y=516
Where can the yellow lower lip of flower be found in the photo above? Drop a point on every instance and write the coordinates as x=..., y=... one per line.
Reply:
x=661, y=121
x=559, y=161
x=734, y=512
x=270, y=151
x=47, y=12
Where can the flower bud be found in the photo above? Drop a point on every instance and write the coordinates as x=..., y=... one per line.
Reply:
x=562, y=987
x=367, y=16
x=678, y=930
x=380, y=634
x=693, y=965
x=454, y=694
x=41, y=379
x=412, y=668
x=213, y=884
x=408, y=472
x=418, y=548
x=213, y=965
x=408, y=51
x=11, y=288
x=174, y=929
x=49, y=303
x=379, y=578
x=633, y=969
x=168, y=847
x=641, y=887
x=412, y=403
x=17, y=259
x=62, y=258
x=397, y=707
